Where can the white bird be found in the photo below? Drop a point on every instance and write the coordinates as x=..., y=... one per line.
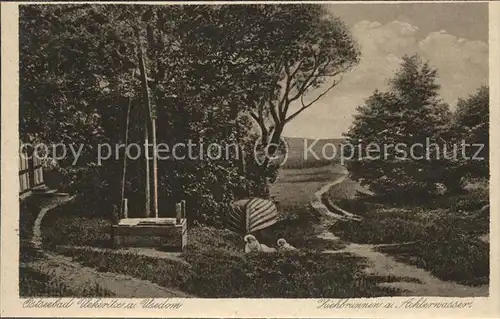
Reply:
x=251, y=244
x=267, y=249
x=283, y=245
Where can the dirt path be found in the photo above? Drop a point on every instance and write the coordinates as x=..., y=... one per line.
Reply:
x=382, y=265
x=79, y=278
x=46, y=205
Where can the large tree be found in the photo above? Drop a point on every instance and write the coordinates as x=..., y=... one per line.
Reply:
x=79, y=73
x=303, y=50
x=409, y=114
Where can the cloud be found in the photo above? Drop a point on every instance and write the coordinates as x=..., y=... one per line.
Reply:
x=462, y=67
x=394, y=37
x=462, y=64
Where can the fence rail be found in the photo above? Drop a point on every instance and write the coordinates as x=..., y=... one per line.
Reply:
x=30, y=172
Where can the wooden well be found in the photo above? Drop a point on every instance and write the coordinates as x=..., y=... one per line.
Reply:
x=166, y=233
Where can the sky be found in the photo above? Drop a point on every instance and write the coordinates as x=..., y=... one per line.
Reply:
x=453, y=37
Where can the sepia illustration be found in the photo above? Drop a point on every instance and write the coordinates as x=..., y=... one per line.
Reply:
x=336, y=150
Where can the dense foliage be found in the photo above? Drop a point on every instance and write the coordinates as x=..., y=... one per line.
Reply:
x=406, y=141
x=472, y=126
x=209, y=70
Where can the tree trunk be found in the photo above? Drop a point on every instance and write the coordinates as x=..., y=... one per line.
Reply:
x=272, y=147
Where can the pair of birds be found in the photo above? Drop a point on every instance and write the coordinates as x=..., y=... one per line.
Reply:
x=252, y=244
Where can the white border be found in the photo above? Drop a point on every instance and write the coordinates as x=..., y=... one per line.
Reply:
x=229, y=308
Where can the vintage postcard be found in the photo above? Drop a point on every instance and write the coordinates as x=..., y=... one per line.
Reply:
x=250, y=159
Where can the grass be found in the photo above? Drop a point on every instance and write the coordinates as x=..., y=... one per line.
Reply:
x=221, y=272
x=445, y=231
x=298, y=227
x=297, y=186
x=300, y=156
x=70, y=225
x=282, y=275
x=35, y=284
x=165, y=272
x=459, y=259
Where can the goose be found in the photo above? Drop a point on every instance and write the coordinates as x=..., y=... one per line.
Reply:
x=267, y=249
x=251, y=244
x=283, y=245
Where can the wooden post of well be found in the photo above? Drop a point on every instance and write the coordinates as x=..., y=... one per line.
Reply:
x=145, y=90
x=125, y=208
x=178, y=213
x=183, y=209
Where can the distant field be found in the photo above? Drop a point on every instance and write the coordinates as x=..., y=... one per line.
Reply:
x=306, y=152
x=303, y=173
x=297, y=186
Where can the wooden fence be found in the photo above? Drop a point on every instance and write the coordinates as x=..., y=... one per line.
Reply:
x=30, y=172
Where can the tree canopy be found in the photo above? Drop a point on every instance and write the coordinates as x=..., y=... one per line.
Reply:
x=409, y=114
x=211, y=70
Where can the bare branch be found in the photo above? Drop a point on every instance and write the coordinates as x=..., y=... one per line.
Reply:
x=284, y=101
x=335, y=83
x=307, y=83
x=260, y=121
x=297, y=68
x=254, y=116
x=305, y=106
